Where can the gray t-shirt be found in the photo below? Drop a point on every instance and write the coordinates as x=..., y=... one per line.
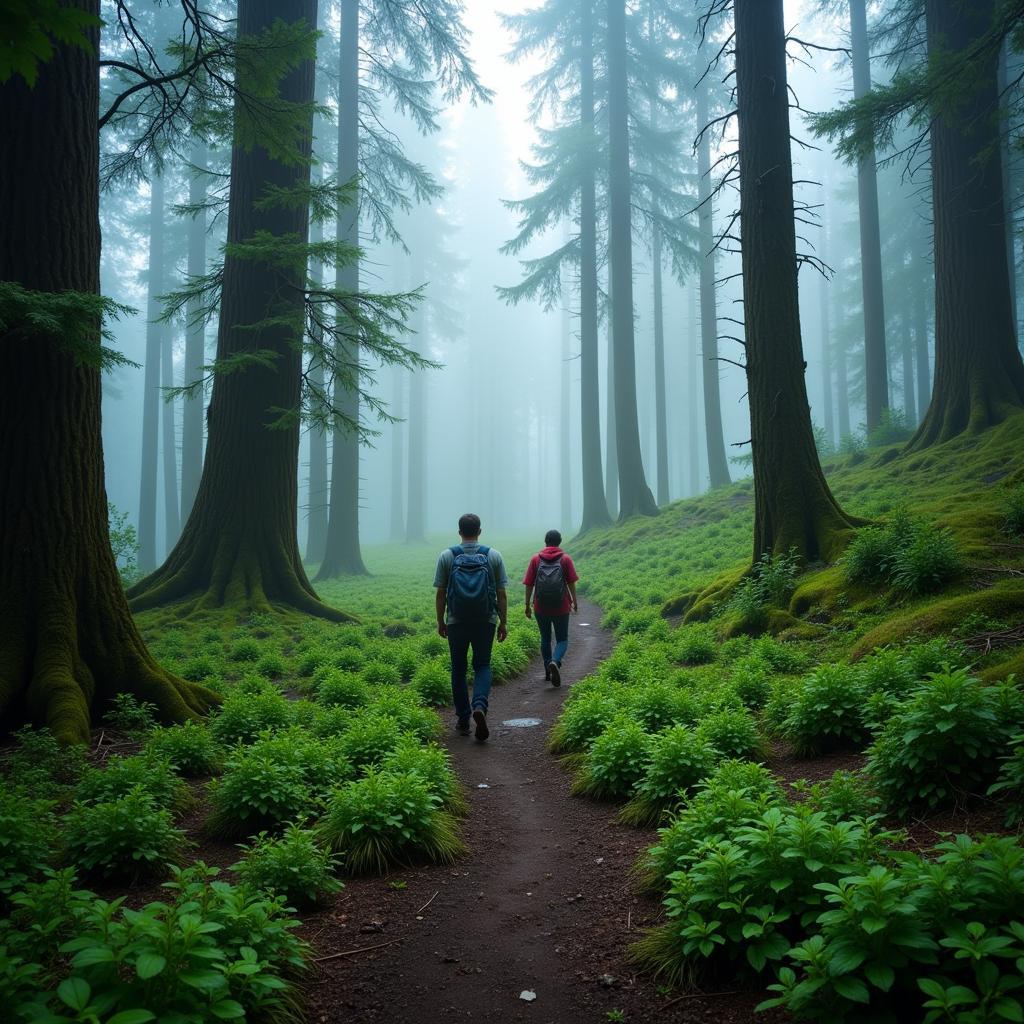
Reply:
x=446, y=560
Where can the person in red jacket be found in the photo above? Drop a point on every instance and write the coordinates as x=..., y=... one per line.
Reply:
x=551, y=582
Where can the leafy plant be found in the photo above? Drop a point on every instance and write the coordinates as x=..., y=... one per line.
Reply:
x=432, y=681
x=380, y=673
x=695, y=644
x=243, y=716
x=1011, y=780
x=585, y=716
x=189, y=748
x=39, y=765
x=124, y=542
x=732, y=732
x=846, y=795
x=751, y=680
x=341, y=689
x=128, y=715
x=616, y=761
x=941, y=743
x=148, y=773
x=433, y=764
x=927, y=562
x=122, y=836
x=1013, y=512
x=292, y=865
x=386, y=818
x=27, y=828
x=258, y=790
x=826, y=711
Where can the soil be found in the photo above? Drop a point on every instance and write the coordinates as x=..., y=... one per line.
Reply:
x=542, y=904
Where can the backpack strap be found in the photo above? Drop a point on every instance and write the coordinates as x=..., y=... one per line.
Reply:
x=484, y=550
x=456, y=550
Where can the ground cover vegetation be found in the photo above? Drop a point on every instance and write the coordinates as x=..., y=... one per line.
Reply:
x=321, y=761
x=884, y=888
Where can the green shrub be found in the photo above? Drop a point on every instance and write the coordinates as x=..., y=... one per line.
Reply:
x=867, y=557
x=380, y=673
x=941, y=743
x=846, y=795
x=405, y=707
x=585, y=716
x=407, y=661
x=147, y=773
x=891, y=428
x=659, y=705
x=292, y=865
x=342, y=689
x=433, y=764
x=271, y=665
x=243, y=716
x=751, y=680
x=312, y=658
x=432, y=681
x=433, y=646
x=128, y=715
x=331, y=721
x=40, y=765
x=27, y=828
x=778, y=655
x=928, y=562
x=122, y=836
x=695, y=644
x=257, y=791
x=679, y=760
x=210, y=951
x=1010, y=782
x=190, y=748
x=1013, y=512
x=615, y=762
x=770, y=584
x=826, y=711
x=369, y=739
x=732, y=732
x=384, y=819
x=201, y=667
x=246, y=648
x=635, y=623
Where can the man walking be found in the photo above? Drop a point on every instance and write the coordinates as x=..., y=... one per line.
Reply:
x=551, y=580
x=471, y=586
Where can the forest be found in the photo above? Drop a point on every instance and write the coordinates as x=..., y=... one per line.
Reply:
x=511, y=511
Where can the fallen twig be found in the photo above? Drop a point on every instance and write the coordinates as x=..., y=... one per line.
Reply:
x=427, y=904
x=99, y=742
x=351, y=952
x=698, y=995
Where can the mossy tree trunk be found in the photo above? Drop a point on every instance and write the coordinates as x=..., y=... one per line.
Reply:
x=342, y=555
x=979, y=375
x=195, y=342
x=595, y=501
x=67, y=640
x=239, y=547
x=635, y=497
x=718, y=464
x=876, y=372
x=793, y=506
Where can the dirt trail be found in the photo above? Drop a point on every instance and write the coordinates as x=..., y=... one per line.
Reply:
x=542, y=904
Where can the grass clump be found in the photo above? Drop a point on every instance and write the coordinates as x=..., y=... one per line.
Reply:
x=1013, y=512
x=292, y=865
x=388, y=818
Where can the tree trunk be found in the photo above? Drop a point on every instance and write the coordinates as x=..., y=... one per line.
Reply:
x=718, y=464
x=635, y=496
x=1006, y=152
x=842, y=393
x=151, y=380
x=565, y=424
x=979, y=375
x=316, y=513
x=67, y=640
x=876, y=373
x=907, y=354
x=611, y=456
x=694, y=399
x=595, y=501
x=342, y=556
x=793, y=507
x=416, y=492
x=195, y=344
x=239, y=547
x=923, y=362
x=660, y=402
x=169, y=436
x=826, y=343
x=396, y=529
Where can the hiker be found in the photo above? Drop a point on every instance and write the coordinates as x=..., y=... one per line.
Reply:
x=471, y=583
x=551, y=580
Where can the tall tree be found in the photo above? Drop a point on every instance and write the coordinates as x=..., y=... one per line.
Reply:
x=169, y=439
x=635, y=497
x=239, y=546
x=396, y=528
x=876, y=372
x=195, y=335
x=718, y=465
x=793, y=506
x=68, y=643
x=155, y=329
x=316, y=513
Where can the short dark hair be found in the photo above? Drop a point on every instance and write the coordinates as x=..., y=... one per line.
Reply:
x=469, y=525
x=552, y=538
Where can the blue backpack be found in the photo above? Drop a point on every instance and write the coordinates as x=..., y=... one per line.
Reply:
x=471, y=593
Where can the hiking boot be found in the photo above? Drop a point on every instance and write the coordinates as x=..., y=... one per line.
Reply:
x=462, y=726
x=547, y=672
x=555, y=674
x=482, y=732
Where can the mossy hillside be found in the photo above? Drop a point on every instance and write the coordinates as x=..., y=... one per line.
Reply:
x=688, y=560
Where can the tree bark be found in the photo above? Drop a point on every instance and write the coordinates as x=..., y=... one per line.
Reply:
x=195, y=343
x=151, y=380
x=316, y=513
x=793, y=506
x=718, y=464
x=694, y=402
x=826, y=343
x=565, y=424
x=67, y=640
x=1009, y=186
x=169, y=436
x=876, y=373
x=922, y=361
x=907, y=356
x=595, y=501
x=416, y=491
x=979, y=375
x=342, y=555
x=611, y=456
x=239, y=547
x=635, y=496
x=660, y=401
x=396, y=530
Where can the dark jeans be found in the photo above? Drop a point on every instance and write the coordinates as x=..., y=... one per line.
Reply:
x=462, y=636
x=560, y=624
